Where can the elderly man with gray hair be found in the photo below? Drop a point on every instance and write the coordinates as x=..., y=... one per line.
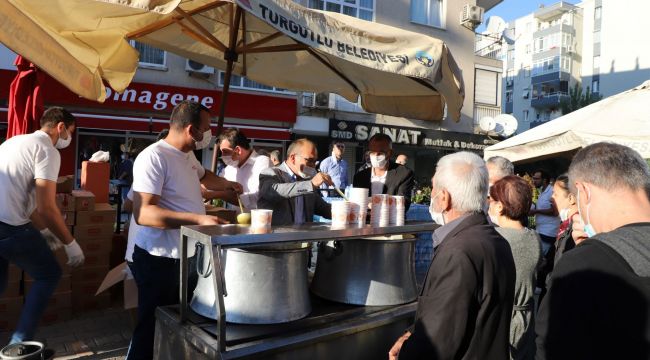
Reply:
x=598, y=301
x=465, y=304
x=499, y=167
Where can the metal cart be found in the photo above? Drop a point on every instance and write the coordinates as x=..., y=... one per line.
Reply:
x=331, y=331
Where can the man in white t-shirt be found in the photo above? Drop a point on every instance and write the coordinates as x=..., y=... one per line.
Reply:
x=167, y=181
x=243, y=165
x=29, y=167
x=547, y=220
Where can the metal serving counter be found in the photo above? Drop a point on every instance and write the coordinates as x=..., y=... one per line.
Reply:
x=330, y=330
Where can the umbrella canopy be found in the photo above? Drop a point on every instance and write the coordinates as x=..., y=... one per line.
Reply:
x=623, y=118
x=25, y=99
x=275, y=42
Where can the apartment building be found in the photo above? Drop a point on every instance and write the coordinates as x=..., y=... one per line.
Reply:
x=595, y=43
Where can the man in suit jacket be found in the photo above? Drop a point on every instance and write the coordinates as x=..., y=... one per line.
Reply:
x=385, y=177
x=465, y=303
x=289, y=189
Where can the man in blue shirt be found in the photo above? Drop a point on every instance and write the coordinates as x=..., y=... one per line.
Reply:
x=335, y=167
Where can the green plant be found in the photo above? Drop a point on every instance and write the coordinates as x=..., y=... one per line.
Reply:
x=422, y=195
x=577, y=99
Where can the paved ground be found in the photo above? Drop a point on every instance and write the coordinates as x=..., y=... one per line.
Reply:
x=99, y=335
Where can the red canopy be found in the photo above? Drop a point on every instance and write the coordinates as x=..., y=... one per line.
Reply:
x=25, y=99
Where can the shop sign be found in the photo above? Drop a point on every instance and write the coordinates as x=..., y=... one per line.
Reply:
x=359, y=131
x=155, y=98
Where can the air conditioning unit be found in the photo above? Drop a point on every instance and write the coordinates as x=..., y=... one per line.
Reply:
x=569, y=48
x=471, y=16
x=196, y=67
x=510, y=82
x=323, y=100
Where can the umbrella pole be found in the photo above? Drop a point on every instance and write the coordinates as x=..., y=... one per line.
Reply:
x=231, y=57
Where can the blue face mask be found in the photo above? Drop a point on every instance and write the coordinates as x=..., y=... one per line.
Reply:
x=589, y=229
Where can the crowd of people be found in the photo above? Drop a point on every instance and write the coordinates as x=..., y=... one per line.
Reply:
x=588, y=255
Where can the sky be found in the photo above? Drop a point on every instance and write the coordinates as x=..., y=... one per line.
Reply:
x=514, y=9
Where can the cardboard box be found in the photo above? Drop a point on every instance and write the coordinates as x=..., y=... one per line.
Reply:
x=93, y=232
x=103, y=214
x=54, y=316
x=65, y=202
x=60, y=300
x=65, y=184
x=63, y=286
x=229, y=215
x=11, y=290
x=10, y=309
x=68, y=217
x=96, y=247
x=14, y=273
x=88, y=274
x=121, y=273
x=96, y=260
x=84, y=304
x=95, y=178
x=62, y=259
x=83, y=200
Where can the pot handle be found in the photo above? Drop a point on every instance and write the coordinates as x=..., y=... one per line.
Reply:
x=199, y=261
x=329, y=252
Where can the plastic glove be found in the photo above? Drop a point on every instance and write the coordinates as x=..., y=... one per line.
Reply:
x=74, y=253
x=52, y=241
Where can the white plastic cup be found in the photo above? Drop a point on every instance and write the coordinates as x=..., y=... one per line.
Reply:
x=261, y=217
x=340, y=212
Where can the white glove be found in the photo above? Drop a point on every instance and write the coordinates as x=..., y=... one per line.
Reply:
x=75, y=255
x=52, y=241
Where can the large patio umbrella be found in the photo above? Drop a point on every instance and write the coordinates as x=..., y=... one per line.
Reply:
x=275, y=42
x=623, y=118
x=25, y=99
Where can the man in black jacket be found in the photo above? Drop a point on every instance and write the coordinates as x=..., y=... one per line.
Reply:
x=598, y=301
x=465, y=304
x=385, y=177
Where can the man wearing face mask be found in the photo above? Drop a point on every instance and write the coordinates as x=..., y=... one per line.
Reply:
x=385, y=176
x=290, y=189
x=606, y=276
x=243, y=165
x=166, y=195
x=465, y=303
x=29, y=168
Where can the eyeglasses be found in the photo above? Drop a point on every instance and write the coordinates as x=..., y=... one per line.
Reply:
x=308, y=160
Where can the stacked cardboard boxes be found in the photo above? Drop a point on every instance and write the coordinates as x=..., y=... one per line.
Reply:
x=92, y=226
x=11, y=300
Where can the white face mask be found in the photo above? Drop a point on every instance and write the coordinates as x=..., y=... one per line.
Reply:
x=378, y=161
x=207, y=136
x=589, y=229
x=437, y=217
x=564, y=214
x=307, y=172
x=62, y=143
x=227, y=159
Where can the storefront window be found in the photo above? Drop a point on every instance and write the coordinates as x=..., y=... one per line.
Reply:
x=362, y=9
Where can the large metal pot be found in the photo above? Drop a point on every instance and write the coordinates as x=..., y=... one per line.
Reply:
x=263, y=285
x=373, y=272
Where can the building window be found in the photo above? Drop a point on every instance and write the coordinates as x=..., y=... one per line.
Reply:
x=428, y=12
x=149, y=55
x=596, y=36
x=596, y=62
x=595, y=86
x=526, y=115
x=547, y=65
x=241, y=82
x=509, y=96
x=486, y=87
x=362, y=9
x=598, y=13
x=566, y=64
x=529, y=28
x=527, y=48
x=511, y=56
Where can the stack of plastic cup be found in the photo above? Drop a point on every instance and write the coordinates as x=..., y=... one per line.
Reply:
x=261, y=218
x=397, y=207
x=359, y=205
x=340, y=213
x=380, y=210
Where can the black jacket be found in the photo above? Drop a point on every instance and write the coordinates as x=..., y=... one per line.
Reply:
x=399, y=181
x=597, y=307
x=465, y=305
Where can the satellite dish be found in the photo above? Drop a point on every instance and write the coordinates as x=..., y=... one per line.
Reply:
x=487, y=124
x=509, y=36
x=506, y=124
x=495, y=25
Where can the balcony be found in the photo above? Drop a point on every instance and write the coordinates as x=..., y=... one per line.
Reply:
x=481, y=111
x=550, y=76
x=548, y=100
x=549, y=12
